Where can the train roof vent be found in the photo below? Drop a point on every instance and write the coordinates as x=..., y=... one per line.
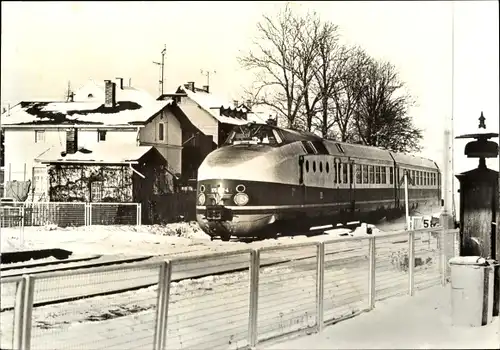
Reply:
x=339, y=147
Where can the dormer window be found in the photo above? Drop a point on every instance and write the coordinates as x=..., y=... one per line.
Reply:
x=101, y=135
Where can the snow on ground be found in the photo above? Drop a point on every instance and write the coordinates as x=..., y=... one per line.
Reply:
x=419, y=322
x=171, y=239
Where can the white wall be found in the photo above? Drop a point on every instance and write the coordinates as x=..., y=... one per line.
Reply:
x=171, y=145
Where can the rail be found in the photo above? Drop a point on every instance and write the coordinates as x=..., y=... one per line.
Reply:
x=231, y=300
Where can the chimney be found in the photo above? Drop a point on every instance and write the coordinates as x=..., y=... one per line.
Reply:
x=71, y=141
x=120, y=82
x=190, y=85
x=235, y=103
x=249, y=103
x=110, y=93
x=205, y=87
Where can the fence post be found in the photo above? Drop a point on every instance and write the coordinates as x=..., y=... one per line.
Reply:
x=18, y=315
x=443, y=256
x=90, y=214
x=254, y=298
x=411, y=262
x=139, y=214
x=371, y=277
x=22, y=225
x=85, y=215
x=27, y=312
x=162, y=305
x=320, y=284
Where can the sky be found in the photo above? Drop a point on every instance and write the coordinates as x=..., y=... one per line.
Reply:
x=47, y=44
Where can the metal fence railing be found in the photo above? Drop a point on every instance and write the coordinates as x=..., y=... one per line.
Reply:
x=70, y=214
x=227, y=300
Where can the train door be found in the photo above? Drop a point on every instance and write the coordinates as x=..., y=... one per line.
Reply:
x=397, y=186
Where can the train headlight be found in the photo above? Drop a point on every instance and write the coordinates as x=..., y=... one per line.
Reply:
x=201, y=199
x=240, y=198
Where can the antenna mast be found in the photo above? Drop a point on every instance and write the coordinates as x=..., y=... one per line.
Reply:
x=207, y=74
x=162, y=66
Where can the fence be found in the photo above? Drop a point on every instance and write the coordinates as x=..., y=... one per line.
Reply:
x=229, y=300
x=73, y=214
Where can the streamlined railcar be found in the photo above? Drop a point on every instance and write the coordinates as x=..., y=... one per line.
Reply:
x=266, y=180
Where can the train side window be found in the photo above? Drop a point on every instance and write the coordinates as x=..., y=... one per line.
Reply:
x=344, y=173
x=383, y=175
x=391, y=175
x=314, y=166
x=307, y=166
x=426, y=178
x=334, y=173
x=371, y=172
x=377, y=174
x=413, y=176
x=365, y=174
x=320, y=166
x=358, y=173
x=327, y=166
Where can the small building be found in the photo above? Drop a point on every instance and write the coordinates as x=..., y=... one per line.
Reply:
x=103, y=175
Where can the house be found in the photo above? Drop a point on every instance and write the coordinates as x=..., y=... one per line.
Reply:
x=206, y=122
x=117, y=125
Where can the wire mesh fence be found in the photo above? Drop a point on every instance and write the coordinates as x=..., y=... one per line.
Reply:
x=347, y=268
x=11, y=299
x=392, y=261
x=114, y=214
x=226, y=300
x=111, y=307
x=287, y=286
x=209, y=302
x=69, y=214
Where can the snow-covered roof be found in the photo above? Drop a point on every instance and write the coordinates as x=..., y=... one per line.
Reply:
x=213, y=104
x=100, y=153
x=133, y=106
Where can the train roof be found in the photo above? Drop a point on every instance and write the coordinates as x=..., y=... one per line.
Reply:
x=407, y=159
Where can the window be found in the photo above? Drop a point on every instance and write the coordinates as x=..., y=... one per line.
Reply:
x=383, y=175
x=327, y=167
x=391, y=175
x=371, y=174
x=307, y=166
x=320, y=167
x=314, y=166
x=344, y=173
x=358, y=173
x=412, y=175
x=101, y=135
x=161, y=131
x=335, y=172
x=365, y=174
x=377, y=174
x=96, y=191
x=39, y=136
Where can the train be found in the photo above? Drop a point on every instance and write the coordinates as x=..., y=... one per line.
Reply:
x=266, y=180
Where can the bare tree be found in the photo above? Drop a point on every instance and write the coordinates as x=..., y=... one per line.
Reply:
x=277, y=62
x=381, y=116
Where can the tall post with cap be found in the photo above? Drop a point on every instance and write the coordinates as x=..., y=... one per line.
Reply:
x=479, y=201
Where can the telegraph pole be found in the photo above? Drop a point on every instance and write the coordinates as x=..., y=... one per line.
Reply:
x=207, y=74
x=162, y=65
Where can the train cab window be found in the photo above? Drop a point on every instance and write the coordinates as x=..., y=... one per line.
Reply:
x=307, y=166
x=371, y=174
x=314, y=166
x=344, y=173
x=327, y=166
x=358, y=173
x=320, y=167
x=391, y=175
x=365, y=174
x=253, y=133
x=383, y=175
